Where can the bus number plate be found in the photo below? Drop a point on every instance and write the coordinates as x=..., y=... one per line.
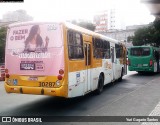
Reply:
x=46, y=84
x=27, y=66
x=33, y=78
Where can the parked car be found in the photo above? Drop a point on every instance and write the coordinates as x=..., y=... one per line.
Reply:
x=2, y=71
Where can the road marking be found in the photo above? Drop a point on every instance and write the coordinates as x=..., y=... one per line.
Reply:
x=155, y=112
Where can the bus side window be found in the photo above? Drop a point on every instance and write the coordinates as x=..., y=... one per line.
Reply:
x=75, y=45
x=106, y=50
x=118, y=50
x=97, y=47
x=112, y=53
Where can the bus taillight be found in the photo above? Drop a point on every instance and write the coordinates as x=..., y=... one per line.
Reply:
x=7, y=75
x=6, y=71
x=128, y=62
x=59, y=77
x=61, y=71
x=150, y=63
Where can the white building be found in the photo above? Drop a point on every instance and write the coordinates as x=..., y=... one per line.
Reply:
x=101, y=21
x=109, y=20
x=122, y=35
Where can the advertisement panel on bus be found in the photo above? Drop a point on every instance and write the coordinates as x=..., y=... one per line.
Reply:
x=32, y=49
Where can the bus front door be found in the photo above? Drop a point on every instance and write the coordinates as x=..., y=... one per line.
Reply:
x=87, y=86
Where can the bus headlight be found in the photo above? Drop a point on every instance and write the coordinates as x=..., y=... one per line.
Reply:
x=57, y=83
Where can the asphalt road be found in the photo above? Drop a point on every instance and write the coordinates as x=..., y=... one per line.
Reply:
x=136, y=95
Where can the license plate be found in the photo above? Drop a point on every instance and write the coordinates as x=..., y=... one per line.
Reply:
x=145, y=64
x=27, y=66
x=33, y=78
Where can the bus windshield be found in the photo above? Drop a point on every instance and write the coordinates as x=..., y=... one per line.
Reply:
x=141, y=51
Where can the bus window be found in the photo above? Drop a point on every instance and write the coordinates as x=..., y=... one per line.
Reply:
x=140, y=51
x=106, y=50
x=101, y=48
x=75, y=45
x=88, y=54
x=119, y=51
x=97, y=50
x=112, y=53
x=146, y=51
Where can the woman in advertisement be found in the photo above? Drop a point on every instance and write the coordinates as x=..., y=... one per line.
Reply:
x=34, y=42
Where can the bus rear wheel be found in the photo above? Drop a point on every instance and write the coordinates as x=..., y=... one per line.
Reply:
x=100, y=85
x=120, y=79
x=140, y=72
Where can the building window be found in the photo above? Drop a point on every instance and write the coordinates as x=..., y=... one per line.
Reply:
x=75, y=45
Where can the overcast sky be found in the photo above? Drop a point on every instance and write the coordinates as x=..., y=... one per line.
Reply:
x=132, y=11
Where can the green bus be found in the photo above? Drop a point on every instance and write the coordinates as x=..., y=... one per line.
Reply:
x=144, y=59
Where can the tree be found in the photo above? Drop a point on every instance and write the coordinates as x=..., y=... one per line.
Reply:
x=18, y=15
x=85, y=24
x=156, y=24
x=148, y=35
x=130, y=39
x=3, y=32
x=140, y=37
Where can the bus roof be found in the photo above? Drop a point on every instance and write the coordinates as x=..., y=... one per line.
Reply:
x=70, y=26
x=139, y=46
x=89, y=32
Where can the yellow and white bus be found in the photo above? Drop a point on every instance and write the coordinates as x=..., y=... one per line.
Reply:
x=60, y=59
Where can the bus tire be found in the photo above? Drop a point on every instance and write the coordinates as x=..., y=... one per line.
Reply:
x=100, y=85
x=140, y=72
x=120, y=79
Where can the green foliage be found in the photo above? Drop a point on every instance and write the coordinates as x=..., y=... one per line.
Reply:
x=3, y=32
x=85, y=24
x=156, y=24
x=130, y=38
x=148, y=35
